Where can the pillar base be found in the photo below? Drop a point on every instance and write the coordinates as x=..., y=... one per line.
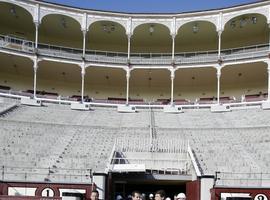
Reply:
x=30, y=102
x=80, y=106
x=126, y=109
x=266, y=105
x=220, y=108
x=172, y=109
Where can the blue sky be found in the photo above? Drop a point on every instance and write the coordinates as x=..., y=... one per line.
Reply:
x=152, y=6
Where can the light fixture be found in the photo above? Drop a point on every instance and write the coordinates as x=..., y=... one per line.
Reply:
x=151, y=29
x=12, y=10
x=108, y=28
x=233, y=24
x=254, y=20
x=63, y=22
x=195, y=28
x=243, y=22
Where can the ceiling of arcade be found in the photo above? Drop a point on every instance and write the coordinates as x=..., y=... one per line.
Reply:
x=105, y=76
x=60, y=30
x=245, y=30
x=245, y=73
x=151, y=38
x=196, y=77
x=16, y=21
x=196, y=36
x=16, y=65
x=148, y=77
x=55, y=29
x=59, y=71
x=107, y=35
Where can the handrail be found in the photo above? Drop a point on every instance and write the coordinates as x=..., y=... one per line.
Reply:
x=246, y=52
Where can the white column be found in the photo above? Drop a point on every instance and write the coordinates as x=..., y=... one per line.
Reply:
x=129, y=37
x=269, y=37
x=172, y=81
x=268, y=69
x=84, y=39
x=127, y=95
x=173, y=47
x=218, y=83
x=219, y=43
x=100, y=182
x=36, y=38
x=82, y=90
x=35, y=67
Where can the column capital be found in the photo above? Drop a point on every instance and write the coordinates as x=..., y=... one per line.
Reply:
x=173, y=35
x=35, y=66
x=172, y=73
x=219, y=32
x=82, y=71
x=129, y=35
x=218, y=72
x=268, y=63
x=84, y=31
x=37, y=23
x=128, y=74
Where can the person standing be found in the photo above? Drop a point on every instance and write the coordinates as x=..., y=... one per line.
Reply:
x=136, y=195
x=94, y=195
x=160, y=195
x=181, y=196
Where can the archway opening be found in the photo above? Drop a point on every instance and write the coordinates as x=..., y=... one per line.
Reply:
x=196, y=36
x=17, y=22
x=150, y=85
x=245, y=30
x=59, y=79
x=151, y=38
x=60, y=30
x=195, y=85
x=106, y=36
x=104, y=83
x=249, y=79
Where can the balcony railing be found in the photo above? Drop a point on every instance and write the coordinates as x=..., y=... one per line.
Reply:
x=106, y=56
x=201, y=57
x=248, y=52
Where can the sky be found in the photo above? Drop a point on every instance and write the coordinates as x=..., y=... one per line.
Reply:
x=152, y=6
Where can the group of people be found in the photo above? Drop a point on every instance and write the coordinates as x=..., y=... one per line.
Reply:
x=136, y=195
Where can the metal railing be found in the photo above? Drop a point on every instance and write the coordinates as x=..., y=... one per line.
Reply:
x=196, y=57
x=248, y=52
x=59, y=51
x=200, y=57
x=251, y=179
x=177, y=167
x=106, y=56
x=151, y=58
x=11, y=173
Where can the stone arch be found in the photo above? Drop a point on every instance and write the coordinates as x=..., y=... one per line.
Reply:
x=197, y=35
x=228, y=17
x=75, y=16
x=180, y=24
x=245, y=30
x=58, y=29
x=151, y=37
x=92, y=21
x=106, y=35
x=136, y=24
x=29, y=8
